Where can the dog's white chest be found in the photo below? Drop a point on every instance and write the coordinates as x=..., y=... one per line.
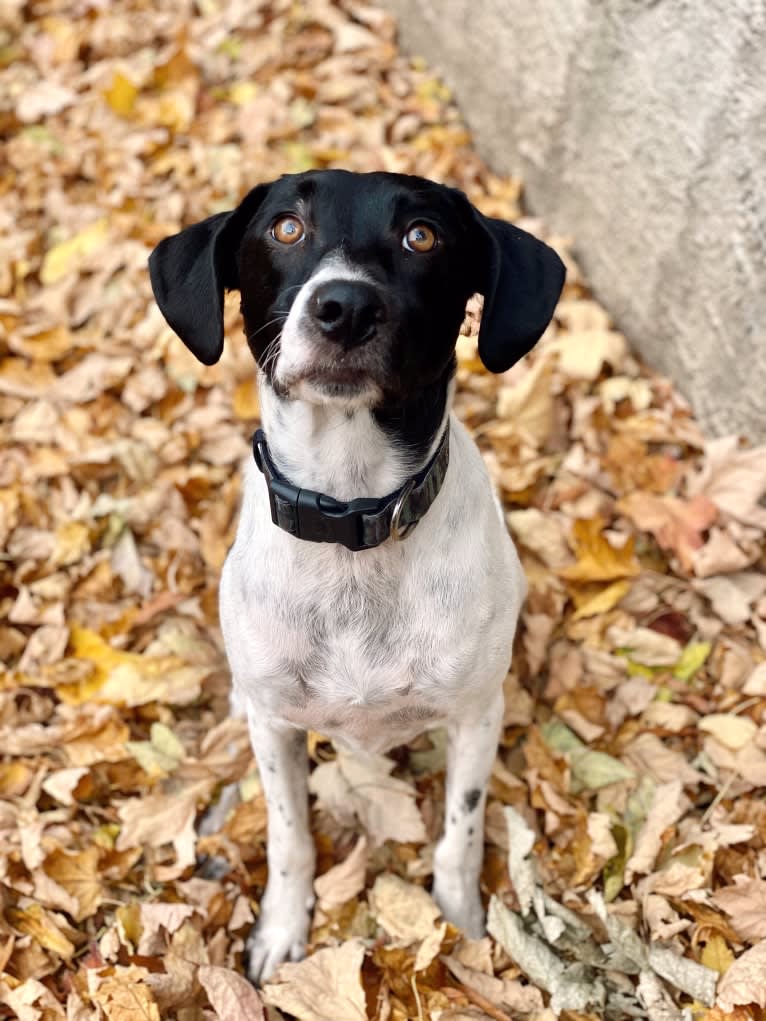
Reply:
x=375, y=647
x=365, y=655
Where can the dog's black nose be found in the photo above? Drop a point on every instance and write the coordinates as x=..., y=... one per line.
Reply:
x=347, y=311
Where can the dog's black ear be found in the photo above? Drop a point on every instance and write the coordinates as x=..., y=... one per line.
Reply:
x=522, y=281
x=191, y=270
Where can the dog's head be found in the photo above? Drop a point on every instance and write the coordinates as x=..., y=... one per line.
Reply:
x=354, y=286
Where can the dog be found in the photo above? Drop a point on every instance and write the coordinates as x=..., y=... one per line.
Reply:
x=372, y=590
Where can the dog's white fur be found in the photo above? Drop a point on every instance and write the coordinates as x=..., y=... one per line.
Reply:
x=368, y=648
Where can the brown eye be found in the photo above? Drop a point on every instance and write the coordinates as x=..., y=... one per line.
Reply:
x=288, y=230
x=419, y=238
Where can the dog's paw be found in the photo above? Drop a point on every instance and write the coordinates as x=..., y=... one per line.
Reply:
x=461, y=907
x=272, y=942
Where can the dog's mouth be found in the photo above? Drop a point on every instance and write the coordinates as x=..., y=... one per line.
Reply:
x=321, y=384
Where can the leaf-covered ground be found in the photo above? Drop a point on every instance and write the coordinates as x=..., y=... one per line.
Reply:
x=631, y=772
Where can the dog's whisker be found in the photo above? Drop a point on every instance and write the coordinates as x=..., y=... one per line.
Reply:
x=271, y=353
x=276, y=319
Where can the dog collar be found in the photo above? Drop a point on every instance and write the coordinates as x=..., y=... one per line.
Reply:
x=358, y=524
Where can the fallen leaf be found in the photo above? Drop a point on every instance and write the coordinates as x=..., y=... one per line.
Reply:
x=745, y=903
x=404, y=910
x=362, y=788
x=732, y=731
x=667, y=807
x=590, y=768
x=231, y=996
x=677, y=525
x=597, y=559
x=41, y=925
x=324, y=987
x=79, y=874
x=582, y=354
x=345, y=880
x=124, y=996
x=745, y=980
x=66, y=256
x=734, y=478
x=528, y=404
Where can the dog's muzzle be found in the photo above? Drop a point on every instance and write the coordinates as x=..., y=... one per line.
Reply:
x=358, y=524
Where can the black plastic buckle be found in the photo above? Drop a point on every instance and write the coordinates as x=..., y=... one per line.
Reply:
x=319, y=518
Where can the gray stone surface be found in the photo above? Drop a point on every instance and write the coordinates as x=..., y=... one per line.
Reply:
x=639, y=127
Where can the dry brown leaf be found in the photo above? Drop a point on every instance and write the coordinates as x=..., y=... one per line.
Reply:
x=30, y=1001
x=124, y=996
x=732, y=731
x=667, y=807
x=79, y=874
x=734, y=478
x=345, y=880
x=156, y=916
x=597, y=558
x=745, y=903
x=231, y=996
x=528, y=404
x=677, y=525
x=404, y=910
x=361, y=787
x=745, y=980
x=324, y=987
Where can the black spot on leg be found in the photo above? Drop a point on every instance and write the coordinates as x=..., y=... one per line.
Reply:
x=471, y=800
x=453, y=820
x=470, y=831
x=283, y=873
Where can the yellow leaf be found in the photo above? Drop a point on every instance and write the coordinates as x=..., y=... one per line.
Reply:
x=128, y=678
x=121, y=94
x=35, y=922
x=717, y=954
x=46, y=346
x=246, y=404
x=14, y=779
x=72, y=543
x=123, y=997
x=242, y=92
x=129, y=921
x=103, y=744
x=65, y=257
x=79, y=876
x=160, y=755
x=597, y=559
x=591, y=603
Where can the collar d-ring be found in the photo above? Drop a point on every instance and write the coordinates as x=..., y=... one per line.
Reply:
x=401, y=532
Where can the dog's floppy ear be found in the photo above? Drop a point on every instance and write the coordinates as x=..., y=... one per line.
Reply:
x=522, y=281
x=191, y=270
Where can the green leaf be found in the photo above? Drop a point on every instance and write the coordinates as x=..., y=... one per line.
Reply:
x=590, y=769
x=560, y=738
x=614, y=870
x=692, y=659
x=597, y=769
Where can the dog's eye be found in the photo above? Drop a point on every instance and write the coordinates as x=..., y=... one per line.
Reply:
x=419, y=238
x=288, y=230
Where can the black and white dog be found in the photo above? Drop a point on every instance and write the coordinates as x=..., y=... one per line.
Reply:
x=373, y=590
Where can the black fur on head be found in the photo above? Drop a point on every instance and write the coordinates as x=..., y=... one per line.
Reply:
x=365, y=216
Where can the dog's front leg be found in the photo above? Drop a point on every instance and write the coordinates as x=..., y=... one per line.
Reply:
x=282, y=928
x=471, y=750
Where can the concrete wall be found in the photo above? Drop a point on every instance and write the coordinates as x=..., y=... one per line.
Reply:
x=639, y=127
